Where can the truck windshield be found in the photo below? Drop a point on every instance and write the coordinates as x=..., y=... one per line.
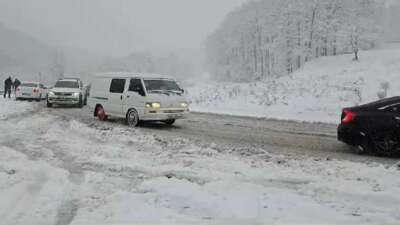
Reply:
x=162, y=85
x=66, y=84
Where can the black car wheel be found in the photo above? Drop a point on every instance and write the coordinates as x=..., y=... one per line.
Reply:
x=364, y=147
x=385, y=146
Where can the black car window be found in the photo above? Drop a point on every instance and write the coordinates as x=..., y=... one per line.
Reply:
x=117, y=86
x=135, y=85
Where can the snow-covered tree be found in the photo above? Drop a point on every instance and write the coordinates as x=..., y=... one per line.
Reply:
x=268, y=38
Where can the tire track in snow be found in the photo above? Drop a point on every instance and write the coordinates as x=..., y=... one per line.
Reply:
x=67, y=212
x=23, y=204
x=21, y=139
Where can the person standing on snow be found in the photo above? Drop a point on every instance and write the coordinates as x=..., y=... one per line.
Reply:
x=17, y=83
x=7, y=87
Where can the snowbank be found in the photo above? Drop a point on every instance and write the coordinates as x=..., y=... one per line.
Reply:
x=316, y=93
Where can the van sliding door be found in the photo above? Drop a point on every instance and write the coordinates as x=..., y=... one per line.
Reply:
x=116, y=97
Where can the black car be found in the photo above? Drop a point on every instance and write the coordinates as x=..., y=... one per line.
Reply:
x=374, y=127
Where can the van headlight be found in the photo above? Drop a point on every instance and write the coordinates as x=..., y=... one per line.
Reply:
x=51, y=93
x=76, y=95
x=154, y=105
x=184, y=104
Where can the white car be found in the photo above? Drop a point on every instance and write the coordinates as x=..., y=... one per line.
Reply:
x=137, y=97
x=31, y=91
x=68, y=91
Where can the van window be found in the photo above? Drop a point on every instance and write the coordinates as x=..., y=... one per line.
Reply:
x=162, y=85
x=117, y=85
x=135, y=85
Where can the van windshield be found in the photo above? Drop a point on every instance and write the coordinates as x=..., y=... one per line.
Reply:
x=162, y=86
x=67, y=84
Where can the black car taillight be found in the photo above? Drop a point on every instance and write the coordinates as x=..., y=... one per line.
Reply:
x=348, y=117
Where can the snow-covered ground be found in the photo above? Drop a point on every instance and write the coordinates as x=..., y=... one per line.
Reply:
x=9, y=107
x=56, y=170
x=316, y=93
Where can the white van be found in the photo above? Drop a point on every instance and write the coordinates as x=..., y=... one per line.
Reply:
x=137, y=97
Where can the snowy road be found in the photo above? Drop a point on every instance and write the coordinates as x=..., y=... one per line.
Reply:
x=281, y=137
x=61, y=167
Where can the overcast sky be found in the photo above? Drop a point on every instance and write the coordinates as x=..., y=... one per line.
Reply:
x=117, y=26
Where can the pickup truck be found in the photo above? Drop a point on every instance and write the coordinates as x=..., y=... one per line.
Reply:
x=67, y=91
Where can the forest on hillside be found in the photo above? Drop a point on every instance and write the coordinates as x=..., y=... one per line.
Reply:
x=268, y=38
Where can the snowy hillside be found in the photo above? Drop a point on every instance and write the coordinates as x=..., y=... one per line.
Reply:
x=315, y=93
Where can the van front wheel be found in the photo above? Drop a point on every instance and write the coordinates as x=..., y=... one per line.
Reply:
x=132, y=118
x=100, y=113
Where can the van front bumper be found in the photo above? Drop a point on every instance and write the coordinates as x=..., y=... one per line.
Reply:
x=164, y=114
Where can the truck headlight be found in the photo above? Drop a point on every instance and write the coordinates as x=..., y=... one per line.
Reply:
x=184, y=104
x=76, y=95
x=154, y=105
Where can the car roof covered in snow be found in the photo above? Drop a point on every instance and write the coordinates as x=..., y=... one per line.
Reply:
x=130, y=75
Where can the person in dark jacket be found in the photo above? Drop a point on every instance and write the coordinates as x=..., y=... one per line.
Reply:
x=7, y=87
x=17, y=83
